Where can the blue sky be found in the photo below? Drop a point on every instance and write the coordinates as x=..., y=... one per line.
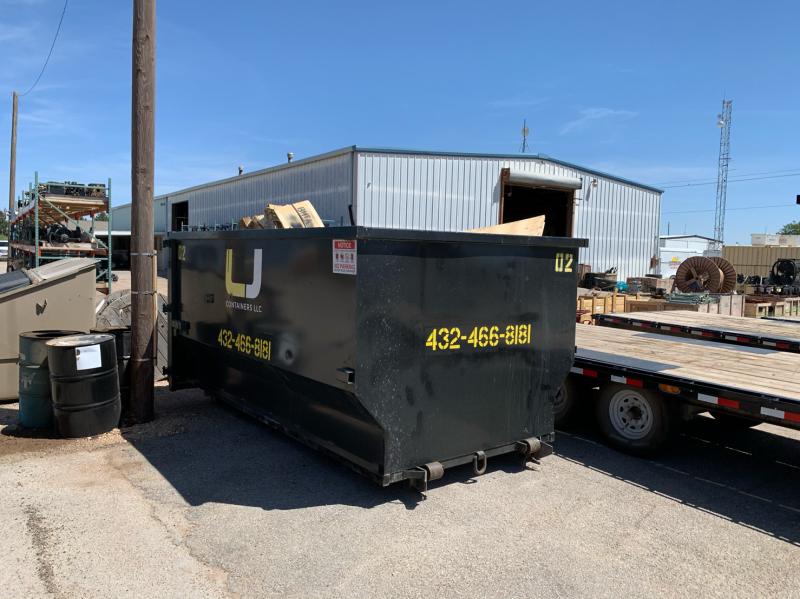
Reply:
x=632, y=88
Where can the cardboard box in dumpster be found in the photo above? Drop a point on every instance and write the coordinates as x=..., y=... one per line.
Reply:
x=301, y=215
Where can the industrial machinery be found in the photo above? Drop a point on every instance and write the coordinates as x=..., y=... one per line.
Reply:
x=785, y=272
x=56, y=220
x=401, y=352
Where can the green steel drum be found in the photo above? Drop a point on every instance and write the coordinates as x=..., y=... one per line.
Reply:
x=35, y=405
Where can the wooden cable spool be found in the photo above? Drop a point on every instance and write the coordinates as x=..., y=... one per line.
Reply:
x=698, y=274
x=728, y=274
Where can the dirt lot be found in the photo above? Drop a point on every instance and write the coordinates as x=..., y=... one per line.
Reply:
x=204, y=502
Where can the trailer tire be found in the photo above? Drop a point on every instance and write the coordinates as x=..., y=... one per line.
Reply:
x=564, y=403
x=734, y=421
x=635, y=420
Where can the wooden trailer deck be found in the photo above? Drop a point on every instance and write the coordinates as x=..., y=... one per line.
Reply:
x=757, y=380
x=774, y=334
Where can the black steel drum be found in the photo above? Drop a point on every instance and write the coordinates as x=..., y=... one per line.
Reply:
x=85, y=384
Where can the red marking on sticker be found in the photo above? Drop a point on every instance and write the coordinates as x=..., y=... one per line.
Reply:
x=794, y=417
x=728, y=403
x=344, y=244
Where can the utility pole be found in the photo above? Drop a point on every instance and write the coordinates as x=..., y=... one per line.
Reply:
x=143, y=338
x=12, y=173
x=724, y=123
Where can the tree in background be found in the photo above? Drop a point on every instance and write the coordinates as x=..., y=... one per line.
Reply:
x=103, y=216
x=3, y=224
x=790, y=229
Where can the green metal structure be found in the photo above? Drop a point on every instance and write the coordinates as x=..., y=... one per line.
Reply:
x=40, y=228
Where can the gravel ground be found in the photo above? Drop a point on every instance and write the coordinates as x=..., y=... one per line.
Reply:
x=204, y=502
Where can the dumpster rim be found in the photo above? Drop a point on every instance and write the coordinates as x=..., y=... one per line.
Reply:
x=385, y=234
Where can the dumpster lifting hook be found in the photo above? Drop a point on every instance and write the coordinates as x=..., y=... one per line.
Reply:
x=479, y=462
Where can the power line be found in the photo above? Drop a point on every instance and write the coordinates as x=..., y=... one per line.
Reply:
x=50, y=53
x=703, y=179
x=739, y=208
x=794, y=174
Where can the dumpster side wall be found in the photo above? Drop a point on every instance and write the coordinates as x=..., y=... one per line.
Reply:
x=269, y=325
x=462, y=347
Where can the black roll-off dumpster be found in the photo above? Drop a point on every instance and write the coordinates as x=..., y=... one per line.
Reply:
x=402, y=352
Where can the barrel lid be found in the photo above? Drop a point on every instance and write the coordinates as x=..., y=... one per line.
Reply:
x=80, y=340
x=48, y=334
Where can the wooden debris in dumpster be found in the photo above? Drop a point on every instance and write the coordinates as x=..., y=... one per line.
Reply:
x=531, y=227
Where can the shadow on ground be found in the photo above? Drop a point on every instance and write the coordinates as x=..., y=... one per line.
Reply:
x=223, y=456
x=750, y=477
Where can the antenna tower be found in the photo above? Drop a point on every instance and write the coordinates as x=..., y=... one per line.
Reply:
x=724, y=123
x=525, y=132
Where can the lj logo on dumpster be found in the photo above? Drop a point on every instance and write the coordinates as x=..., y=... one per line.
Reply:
x=243, y=290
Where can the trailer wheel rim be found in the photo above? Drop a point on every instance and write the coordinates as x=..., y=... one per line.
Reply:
x=631, y=414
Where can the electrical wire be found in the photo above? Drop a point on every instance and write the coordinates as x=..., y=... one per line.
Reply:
x=704, y=179
x=50, y=53
x=728, y=209
x=794, y=174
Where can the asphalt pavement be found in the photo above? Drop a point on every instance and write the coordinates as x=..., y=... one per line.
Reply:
x=205, y=502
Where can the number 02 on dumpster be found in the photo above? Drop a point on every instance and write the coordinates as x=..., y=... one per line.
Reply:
x=563, y=262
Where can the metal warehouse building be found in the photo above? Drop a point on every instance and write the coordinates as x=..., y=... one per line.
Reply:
x=409, y=189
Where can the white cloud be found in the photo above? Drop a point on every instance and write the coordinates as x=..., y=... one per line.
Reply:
x=587, y=115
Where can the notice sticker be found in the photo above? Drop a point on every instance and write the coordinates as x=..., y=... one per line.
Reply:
x=345, y=256
x=88, y=357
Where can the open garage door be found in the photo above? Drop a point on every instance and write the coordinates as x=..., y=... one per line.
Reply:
x=525, y=195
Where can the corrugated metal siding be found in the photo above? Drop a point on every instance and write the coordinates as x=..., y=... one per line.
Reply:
x=758, y=259
x=327, y=183
x=121, y=216
x=453, y=193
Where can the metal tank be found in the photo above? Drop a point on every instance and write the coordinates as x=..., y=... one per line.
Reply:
x=35, y=404
x=401, y=352
x=84, y=383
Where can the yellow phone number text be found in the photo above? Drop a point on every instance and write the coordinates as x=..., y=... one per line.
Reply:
x=245, y=344
x=452, y=338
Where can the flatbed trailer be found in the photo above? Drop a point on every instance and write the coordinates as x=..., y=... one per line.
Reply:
x=795, y=320
x=649, y=381
x=738, y=330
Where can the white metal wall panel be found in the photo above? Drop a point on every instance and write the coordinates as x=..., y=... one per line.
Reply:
x=454, y=193
x=326, y=182
x=121, y=217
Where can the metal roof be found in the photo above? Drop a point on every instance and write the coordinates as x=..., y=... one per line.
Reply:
x=352, y=149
